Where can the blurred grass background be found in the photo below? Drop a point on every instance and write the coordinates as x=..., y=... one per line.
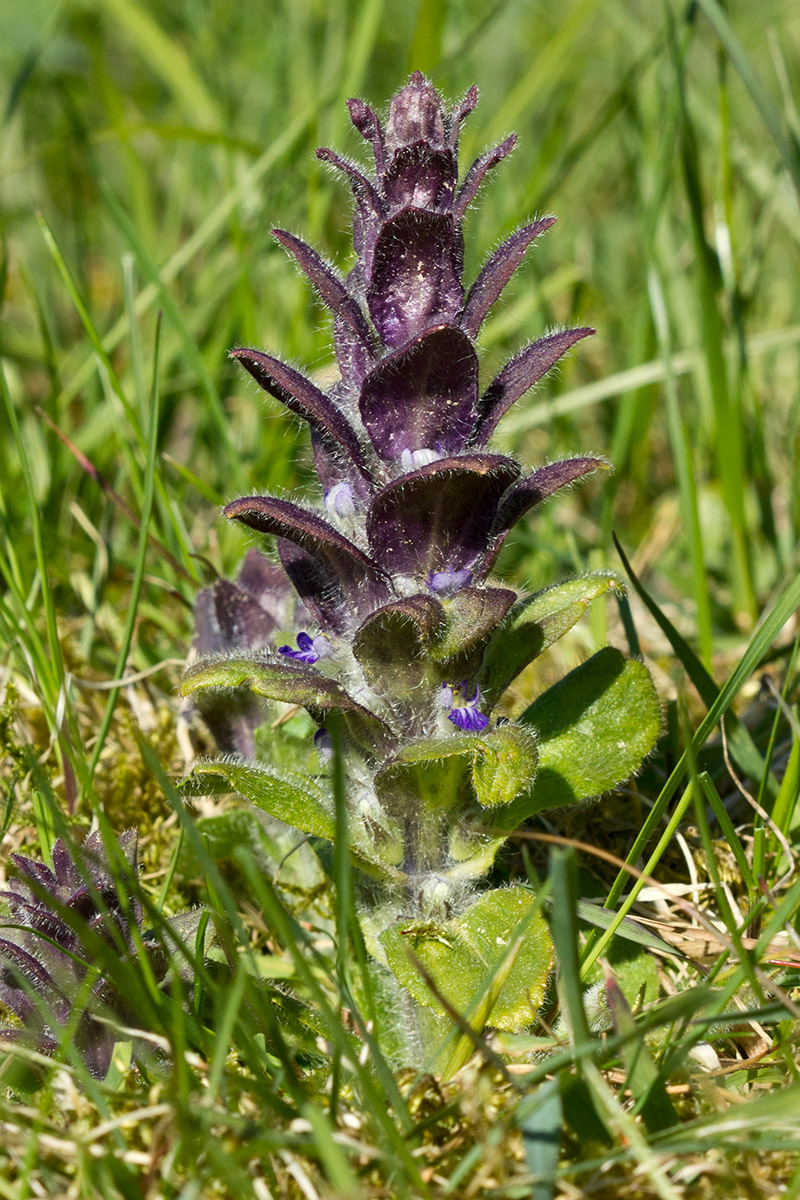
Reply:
x=147, y=150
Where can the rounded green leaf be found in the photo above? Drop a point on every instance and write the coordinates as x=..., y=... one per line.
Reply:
x=471, y=617
x=594, y=728
x=433, y=772
x=392, y=644
x=491, y=963
x=505, y=764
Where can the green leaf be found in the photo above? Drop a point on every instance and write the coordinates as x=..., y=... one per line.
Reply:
x=436, y=771
x=505, y=764
x=533, y=625
x=299, y=801
x=644, y=1080
x=277, y=851
x=594, y=727
x=471, y=854
x=294, y=799
x=502, y=932
x=292, y=683
x=433, y=772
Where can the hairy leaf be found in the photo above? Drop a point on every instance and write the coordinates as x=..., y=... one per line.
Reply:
x=533, y=625
x=594, y=727
x=501, y=942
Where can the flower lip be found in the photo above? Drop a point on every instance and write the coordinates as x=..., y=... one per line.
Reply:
x=445, y=582
x=309, y=650
x=339, y=501
x=465, y=715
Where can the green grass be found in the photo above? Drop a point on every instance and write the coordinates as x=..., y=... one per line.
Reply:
x=147, y=149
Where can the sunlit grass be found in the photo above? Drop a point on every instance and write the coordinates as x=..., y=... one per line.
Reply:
x=147, y=151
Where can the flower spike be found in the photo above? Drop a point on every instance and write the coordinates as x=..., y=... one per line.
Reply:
x=402, y=646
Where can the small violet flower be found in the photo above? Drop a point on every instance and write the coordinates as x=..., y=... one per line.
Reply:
x=445, y=582
x=411, y=459
x=466, y=715
x=323, y=742
x=340, y=503
x=309, y=650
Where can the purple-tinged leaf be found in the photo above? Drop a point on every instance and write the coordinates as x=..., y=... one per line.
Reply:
x=438, y=518
x=496, y=273
x=32, y=913
x=63, y=865
x=367, y=198
x=415, y=115
x=242, y=615
x=293, y=683
x=459, y=115
x=420, y=177
x=362, y=580
x=392, y=644
x=225, y=616
x=96, y=1044
x=46, y=958
x=474, y=177
x=26, y=966
x=232, y=720
x=353, y=356
x=471, y=616
x=317, y=585
x=39, y=872
x=368, y=125
x=303, y=397
x=520, y=374
x=414, y=281
x=264, y=582
x=333, y=468
x=267, y=514
x=327, y=283
x=542, y=483
x=424, y=395
x=128, y=842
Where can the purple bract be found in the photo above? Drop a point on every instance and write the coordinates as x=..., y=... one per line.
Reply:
x=415, y=505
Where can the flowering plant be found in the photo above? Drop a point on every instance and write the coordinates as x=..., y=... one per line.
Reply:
x=408, y=646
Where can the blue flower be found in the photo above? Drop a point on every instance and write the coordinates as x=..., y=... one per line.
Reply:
x=466, y=715
x=310, y=650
